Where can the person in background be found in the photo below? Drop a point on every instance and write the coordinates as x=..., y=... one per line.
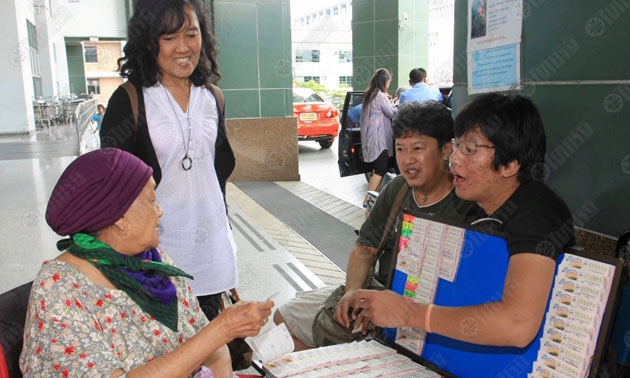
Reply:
x=355, y=113
x=500, y=142
x=112, y=304
x=423, y=135
x=170, y=57
x=98, y=117
x=399, y=91
x=420, y=91
x=376, y=128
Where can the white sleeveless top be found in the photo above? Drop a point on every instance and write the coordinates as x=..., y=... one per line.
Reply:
x=194, y=229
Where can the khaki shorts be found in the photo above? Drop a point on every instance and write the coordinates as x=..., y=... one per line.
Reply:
x=299, y=312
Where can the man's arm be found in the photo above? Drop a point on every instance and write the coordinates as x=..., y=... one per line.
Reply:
x=512, y=321
x=360, y=261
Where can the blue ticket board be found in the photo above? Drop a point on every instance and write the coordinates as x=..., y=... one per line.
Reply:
x=479, y=279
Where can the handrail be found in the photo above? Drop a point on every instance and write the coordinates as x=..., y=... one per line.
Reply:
x=83, y=121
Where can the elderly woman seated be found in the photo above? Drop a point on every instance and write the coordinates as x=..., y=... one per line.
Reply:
x=112, y=305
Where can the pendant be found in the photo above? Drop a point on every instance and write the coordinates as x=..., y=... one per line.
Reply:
x=187, y=163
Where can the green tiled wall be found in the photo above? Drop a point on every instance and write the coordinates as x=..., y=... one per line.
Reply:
x=577, y=73
x=378, y=41
x=74, y=53
x=254, y=42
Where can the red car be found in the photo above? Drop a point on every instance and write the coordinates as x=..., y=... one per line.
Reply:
x=317, y=119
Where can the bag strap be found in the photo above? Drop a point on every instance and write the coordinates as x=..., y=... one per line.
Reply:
x=218, y=94
x=390, y=220
x=133, y=99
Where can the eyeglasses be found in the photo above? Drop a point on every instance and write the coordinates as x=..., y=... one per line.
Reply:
x=468, y=147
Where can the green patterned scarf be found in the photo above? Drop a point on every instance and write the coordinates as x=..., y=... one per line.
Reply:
x=144, y=277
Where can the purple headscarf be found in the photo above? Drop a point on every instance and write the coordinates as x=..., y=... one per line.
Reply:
x=95, y=191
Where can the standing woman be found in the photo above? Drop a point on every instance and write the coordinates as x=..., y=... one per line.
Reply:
x=170, y=57
x=376, y=127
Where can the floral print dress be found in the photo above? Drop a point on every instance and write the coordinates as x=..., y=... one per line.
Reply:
x=75, y=328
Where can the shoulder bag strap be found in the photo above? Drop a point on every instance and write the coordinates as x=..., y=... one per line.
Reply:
x=133, y=99
x=218, y=94
x=392, y=217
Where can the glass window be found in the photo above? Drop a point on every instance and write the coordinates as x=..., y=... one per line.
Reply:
x=90, y=54
x=37, y=86
x=32, y=34
x=309, y=78
x=307, y=55
x=345, y=56
x=93, y=86
x=347, y=80
x=305, y=95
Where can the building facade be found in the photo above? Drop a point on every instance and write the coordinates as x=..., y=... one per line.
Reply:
x=321, y=46
x=101, y=68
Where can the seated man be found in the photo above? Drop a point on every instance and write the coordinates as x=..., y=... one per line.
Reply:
x=422, y=135
x=420, y=91
x=500, y=143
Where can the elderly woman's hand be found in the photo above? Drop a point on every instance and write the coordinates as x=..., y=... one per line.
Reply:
x=244, y=319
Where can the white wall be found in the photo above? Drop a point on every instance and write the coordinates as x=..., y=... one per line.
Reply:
x=441, y=40
x=93, y=18
x=16, y=85
x=54, y=20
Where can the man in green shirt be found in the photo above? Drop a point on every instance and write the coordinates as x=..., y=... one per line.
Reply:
x=423, y=134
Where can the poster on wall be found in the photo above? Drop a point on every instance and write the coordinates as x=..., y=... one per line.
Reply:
x=493, y=70
x=494, y=37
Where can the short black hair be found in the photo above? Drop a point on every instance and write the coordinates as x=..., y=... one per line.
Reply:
x=429, y=118
x=417, y=75
x=152, y=19
x=513, y=125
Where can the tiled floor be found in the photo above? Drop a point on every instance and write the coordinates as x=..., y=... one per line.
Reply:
x=272, y=258
x=27, y=240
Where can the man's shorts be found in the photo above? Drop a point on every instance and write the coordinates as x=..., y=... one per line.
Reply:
x=299, y=312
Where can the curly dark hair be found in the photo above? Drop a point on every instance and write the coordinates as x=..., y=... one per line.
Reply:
x=152, y=19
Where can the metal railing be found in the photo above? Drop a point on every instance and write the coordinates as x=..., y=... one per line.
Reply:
x=87, y=137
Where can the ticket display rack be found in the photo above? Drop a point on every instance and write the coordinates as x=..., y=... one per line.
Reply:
x=454, y=266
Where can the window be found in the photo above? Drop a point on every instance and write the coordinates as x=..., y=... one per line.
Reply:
x=90, y=54
x=345, y=56
x=345, y=80
x=34, y=57
x=93, y=86
x=307, y=55
x=37, y=86
x=309, y=78
x=32, y=34
x=305, y=95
